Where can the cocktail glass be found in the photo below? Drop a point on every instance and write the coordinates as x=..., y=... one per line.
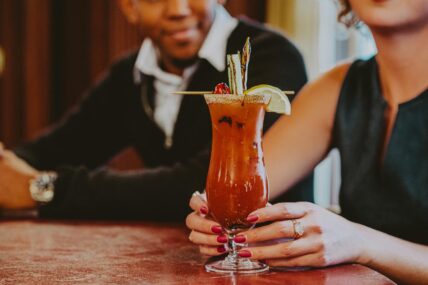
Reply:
x=236, y=183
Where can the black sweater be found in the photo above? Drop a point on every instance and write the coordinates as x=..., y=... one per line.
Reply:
x=111, y=118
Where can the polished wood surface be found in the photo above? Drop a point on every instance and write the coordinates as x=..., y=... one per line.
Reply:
x=42, y=252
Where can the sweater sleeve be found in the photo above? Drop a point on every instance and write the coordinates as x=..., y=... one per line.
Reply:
x=160, y=193
x=89, y=135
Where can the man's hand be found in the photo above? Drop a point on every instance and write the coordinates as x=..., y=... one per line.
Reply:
x=1, y=150
x=15, y=176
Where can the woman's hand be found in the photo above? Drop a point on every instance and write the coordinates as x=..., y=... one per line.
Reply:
x=205, y=232
x=321, y=237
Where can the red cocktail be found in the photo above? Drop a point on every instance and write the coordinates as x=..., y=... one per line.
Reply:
x=236, y=183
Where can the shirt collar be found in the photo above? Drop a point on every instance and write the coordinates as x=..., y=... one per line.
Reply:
x=213, y=50
x=215, y=45
x=147, y=63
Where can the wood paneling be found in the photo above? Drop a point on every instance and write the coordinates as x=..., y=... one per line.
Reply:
x=24, y=86
x=9, y=119
x=255, y=9
x=36, y=55
x=90, y=35
x=2, y=61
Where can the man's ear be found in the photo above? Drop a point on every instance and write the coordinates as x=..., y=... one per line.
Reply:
x=130, y=10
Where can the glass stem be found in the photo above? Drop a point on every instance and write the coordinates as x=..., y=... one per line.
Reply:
x=234, y=247
x=233, y=250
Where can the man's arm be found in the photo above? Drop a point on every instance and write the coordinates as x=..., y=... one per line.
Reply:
x=153, y=194
x=89, y=135
x=150, y=194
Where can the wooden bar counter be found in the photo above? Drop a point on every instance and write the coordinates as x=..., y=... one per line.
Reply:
x=48, y=252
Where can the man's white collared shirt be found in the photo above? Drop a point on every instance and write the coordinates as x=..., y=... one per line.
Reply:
x=166, y=104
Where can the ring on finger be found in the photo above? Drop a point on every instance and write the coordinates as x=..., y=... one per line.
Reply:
x=298, y=229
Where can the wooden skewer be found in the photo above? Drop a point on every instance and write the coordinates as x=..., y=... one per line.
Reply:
x=210, y=92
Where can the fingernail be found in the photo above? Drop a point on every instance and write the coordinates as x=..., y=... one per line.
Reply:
x=240, y=239
x=203, y=210
x=252, y=218
x=221, y=249
x=222, y=239
x=216, y=229
x=244, y=253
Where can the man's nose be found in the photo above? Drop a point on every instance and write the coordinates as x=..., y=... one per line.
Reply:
x=178, y=8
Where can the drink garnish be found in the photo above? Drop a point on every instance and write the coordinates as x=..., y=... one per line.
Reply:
x=278, y=102
x=237, y=69
x=221, y=88
x=235, y=73
x=245, y=61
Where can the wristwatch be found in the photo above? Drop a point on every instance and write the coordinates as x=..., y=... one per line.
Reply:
x=42, y=187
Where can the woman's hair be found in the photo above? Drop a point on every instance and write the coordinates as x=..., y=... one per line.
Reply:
x=346, y=15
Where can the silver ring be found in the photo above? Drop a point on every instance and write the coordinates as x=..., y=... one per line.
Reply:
x=196, y=193
x=298, y=229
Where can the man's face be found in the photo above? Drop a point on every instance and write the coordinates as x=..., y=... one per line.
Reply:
x=177, y=27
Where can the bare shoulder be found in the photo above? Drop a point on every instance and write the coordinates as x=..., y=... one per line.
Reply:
x=320, y=97
x=330, y=82
x=307, y=132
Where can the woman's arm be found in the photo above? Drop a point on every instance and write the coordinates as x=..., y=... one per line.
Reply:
x=297, y=143
x=402, y=261
x=329, y=239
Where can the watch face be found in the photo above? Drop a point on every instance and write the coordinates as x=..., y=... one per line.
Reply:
x=42, y=188
x=44, y=196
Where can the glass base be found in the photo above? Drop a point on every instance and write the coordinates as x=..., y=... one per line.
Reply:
x=241, y=266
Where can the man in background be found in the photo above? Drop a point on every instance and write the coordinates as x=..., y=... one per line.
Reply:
x=186, y=42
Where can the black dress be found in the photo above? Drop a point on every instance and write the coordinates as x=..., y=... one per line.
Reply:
x=389, y=194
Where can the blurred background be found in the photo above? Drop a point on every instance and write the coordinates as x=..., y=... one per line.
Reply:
x=52, y=50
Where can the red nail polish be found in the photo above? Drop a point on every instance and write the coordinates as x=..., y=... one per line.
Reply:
x=222, y=239
x=240, y=239
x=221, y=249
x=216, y=229
x=244, y=253
x=203, y=210
x=252, y=218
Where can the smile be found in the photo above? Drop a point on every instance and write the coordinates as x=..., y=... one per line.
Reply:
x=182, y=34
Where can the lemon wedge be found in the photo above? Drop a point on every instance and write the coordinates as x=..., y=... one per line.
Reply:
x=278, y=103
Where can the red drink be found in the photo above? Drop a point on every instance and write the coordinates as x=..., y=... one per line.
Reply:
x=236, y=183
